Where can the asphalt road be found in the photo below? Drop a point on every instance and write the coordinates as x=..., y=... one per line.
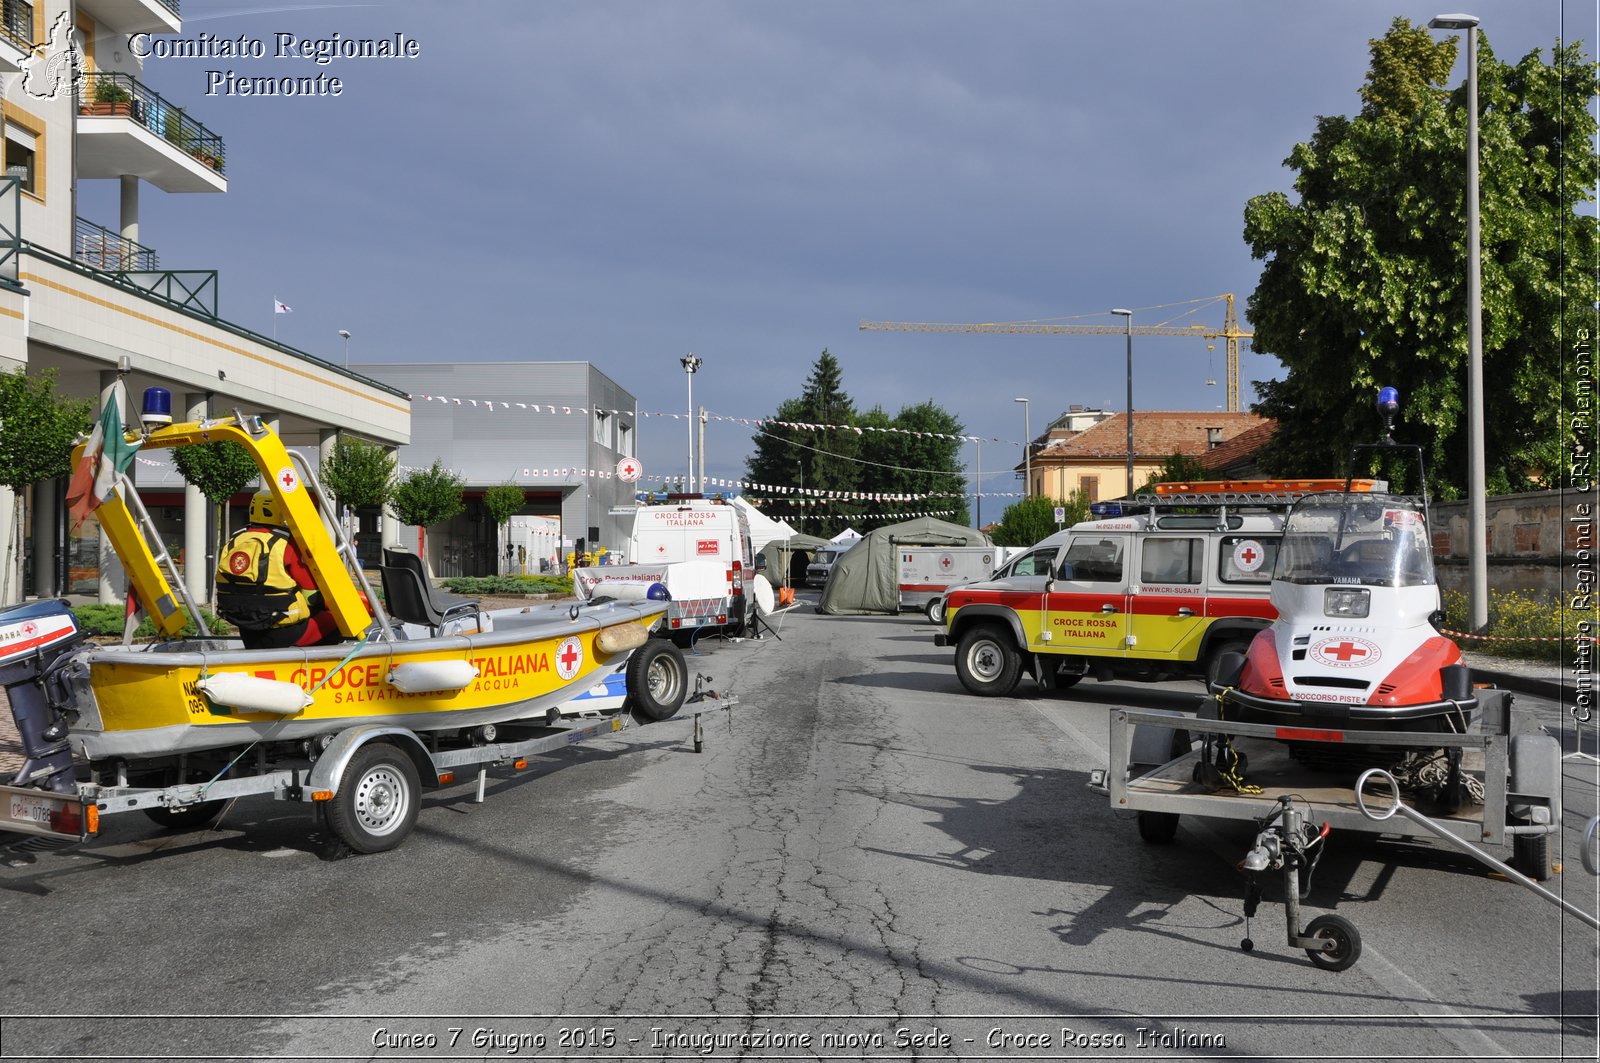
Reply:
x=865, y=861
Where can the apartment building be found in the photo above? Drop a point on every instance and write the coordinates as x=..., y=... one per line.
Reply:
x=91, y=298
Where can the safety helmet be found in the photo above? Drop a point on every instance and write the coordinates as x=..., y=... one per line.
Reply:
x=264, y=510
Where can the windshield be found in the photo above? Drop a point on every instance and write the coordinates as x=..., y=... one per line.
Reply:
x=1375, y=542
x=823, y=557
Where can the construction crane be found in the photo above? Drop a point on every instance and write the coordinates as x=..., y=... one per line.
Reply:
x=1230, y=332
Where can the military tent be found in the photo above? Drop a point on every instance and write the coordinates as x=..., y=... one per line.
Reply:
x=867, y=578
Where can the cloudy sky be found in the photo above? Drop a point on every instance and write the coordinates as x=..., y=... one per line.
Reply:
x=625, y=181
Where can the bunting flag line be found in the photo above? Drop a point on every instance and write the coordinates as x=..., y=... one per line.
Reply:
x=489, y=405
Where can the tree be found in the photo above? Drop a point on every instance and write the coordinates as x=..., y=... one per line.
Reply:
x=428, y=496
x=816, y=448
x=38, y=429
x=359, y=474
x=504, y=501
x=918, y=452
x=1026, y=522
x=1177, y=469
x=818, y=445
x=220, y=470
x=1364, y=277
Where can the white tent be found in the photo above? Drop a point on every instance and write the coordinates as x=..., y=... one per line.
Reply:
x=763, y=529
x=846, y=537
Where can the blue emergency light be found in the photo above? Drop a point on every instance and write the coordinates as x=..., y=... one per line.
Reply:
x=1105, y=509
x=1388, y=409
x=157, y=406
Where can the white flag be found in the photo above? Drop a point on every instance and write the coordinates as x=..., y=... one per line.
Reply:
x=280, y=307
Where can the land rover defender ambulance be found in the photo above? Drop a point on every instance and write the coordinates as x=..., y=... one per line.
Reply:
x=1153, y=588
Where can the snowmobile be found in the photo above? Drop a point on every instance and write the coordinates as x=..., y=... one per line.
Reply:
x=1357, y=640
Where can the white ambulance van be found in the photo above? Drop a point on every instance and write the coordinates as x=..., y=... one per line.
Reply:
x=698, y=550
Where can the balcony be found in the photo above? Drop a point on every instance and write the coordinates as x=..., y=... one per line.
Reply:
x=16, y=34
x=99, y=248
x=134, y=16
x=124, y=128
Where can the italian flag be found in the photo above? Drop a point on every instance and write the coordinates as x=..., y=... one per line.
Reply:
x=107, y=454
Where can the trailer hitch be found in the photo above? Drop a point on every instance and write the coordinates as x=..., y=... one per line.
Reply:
x=1397, y=807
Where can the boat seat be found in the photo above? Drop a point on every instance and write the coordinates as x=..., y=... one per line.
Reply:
x=410, y=596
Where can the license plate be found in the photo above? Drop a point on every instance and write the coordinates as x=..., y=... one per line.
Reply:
x=32, y=809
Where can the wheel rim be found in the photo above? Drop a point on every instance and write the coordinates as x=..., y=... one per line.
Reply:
x=381, y=800
x=985, y=661
x=663, y=679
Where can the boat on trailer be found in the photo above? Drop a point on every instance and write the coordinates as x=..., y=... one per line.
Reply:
x=414, y=657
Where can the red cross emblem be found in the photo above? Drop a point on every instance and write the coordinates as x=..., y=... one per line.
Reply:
x=569, y=657
x=945, y=562
x=628, y=470
x=1346, y=652
x=288, y=479
x=1249, y=557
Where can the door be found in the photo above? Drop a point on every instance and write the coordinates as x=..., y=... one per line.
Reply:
x=1167, y=603
x=1086, y=609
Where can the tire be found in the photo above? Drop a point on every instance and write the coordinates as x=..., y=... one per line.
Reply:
x=200, y=814
x=1347, y=942
x=1531, y=853
x=376, y=805
x=658, y=680
x=737, y=617
x=988, y=662
x=1158, y=828
x=935, y=611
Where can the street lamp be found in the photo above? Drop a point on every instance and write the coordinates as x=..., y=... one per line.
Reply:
x=1129, y=315
x=691, y=363
x=344, y=334
x=1027, y=450
x=1477, y=504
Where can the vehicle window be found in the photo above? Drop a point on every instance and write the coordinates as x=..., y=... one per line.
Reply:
x=1094, y=560
x=1037, y=563
x=1171, y=560
x=1246, y=558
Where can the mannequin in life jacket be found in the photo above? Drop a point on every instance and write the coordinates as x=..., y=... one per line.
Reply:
x=265, y=589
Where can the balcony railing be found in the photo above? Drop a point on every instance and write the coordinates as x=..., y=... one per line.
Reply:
x=123, y=95
x=16, y=23
x=99, y=248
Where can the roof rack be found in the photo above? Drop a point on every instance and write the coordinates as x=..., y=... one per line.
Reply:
x=1217, y=494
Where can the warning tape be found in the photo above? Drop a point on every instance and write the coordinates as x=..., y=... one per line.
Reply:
x=1514, y=638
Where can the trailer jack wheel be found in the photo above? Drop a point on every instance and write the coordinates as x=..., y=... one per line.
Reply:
x=1346, y=947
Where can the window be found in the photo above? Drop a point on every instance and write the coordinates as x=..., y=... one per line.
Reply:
x=23, y=149
x=602, y=427
x=1246, y=558
x=1093, y=560
x=1090, y=486
x=1171, y=560
x=1037, y=563
x=625, y=439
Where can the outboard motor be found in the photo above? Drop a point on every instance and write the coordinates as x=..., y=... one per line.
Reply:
x=35, y=639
